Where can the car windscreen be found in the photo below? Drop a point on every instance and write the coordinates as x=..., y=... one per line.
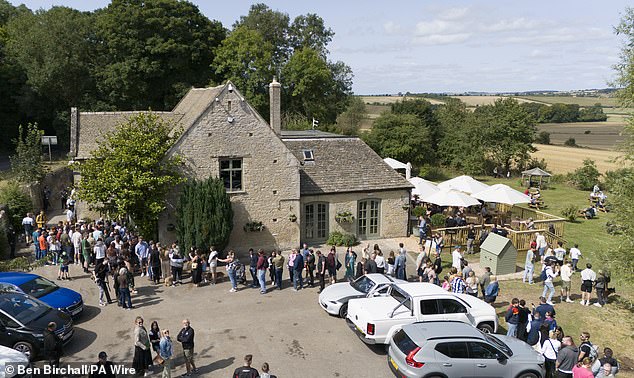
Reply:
x=401, y=298
x=499, y=344
x=363, y=284
x=38, y=287
x=23, y=308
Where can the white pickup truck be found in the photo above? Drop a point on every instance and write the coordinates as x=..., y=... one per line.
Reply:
x=376, y=319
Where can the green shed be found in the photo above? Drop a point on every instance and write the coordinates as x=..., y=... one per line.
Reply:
x=498, y=253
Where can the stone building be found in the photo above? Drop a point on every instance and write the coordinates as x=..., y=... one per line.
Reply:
x=298, y=184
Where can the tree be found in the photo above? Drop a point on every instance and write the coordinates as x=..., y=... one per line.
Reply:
x=153, y=51
x=543, y=137
x=204, y=215
x=244, y=57
x=621, y=259
x=27, y=164
x=128, y=175
x=309, y=31
x=349, y=121
x=402, y=137
x=586, y=176
x=17, y=201
x=424, y=110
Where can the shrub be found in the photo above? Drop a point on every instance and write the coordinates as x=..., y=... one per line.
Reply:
x=418, y=211
x=570, y=212
x=587, y=132
x=611, y=179
x=571, y=142
x=18, y=202
x=543, y=138
x=342, y=239
x=437, y=220
x=586, y=176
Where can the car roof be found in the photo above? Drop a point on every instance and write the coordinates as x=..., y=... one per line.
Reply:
x=422, y=331
x=17, y=278
x=416, y=289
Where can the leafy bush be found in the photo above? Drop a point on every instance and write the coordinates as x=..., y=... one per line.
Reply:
x=571, y=142
x=437, y=220
x=543, y=138
x=18, y=202
x=558, y=179
x=613, y=228
x=570, y=212
x=586, y=176
x=342, y=239
x=611, y=179
x=587, y=132
x=418, y=211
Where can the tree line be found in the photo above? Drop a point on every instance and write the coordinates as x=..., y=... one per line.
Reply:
x=564, y=113
x=139, y=55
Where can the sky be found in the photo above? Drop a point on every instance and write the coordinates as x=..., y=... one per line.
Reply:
x=451, y=45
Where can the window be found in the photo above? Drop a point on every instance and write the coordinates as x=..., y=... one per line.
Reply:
x=316, y=221
x=308, y=155
x=428, y=307
x=362, y=284
x=456, y=349
x=400, y=297
x=368, y=218
x=231, y=174
x=482, y=351
x=450, y=306
x=403, y=342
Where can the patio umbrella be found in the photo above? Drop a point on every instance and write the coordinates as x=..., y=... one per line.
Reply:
x=422, y=187
x=500, y=193
x=465, y=184
x=451, y=198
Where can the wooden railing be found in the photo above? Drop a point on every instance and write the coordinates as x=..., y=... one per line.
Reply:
x=521, y=237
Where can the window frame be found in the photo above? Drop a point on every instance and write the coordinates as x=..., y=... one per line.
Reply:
x=366, y=219
x=230, y=171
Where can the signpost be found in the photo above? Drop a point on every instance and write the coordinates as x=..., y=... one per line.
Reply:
x=50, y=141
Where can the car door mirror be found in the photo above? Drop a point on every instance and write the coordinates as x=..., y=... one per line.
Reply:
x=500, y=357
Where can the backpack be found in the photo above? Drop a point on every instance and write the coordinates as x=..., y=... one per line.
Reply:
x=543, y=276
x=266, y=263
x=593, y=354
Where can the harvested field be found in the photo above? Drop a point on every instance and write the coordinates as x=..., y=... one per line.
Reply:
x=562, y=159
x=582, y=101
x=392, y=99
x=599, y=135
x=484, y=100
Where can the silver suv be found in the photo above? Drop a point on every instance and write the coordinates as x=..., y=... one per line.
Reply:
x=451, y=349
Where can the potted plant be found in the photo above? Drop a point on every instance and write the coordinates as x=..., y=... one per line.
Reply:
x=344, y=217
x=254, y=226
x=292, y=217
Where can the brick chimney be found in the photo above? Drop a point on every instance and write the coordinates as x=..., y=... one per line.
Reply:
x=275, y=90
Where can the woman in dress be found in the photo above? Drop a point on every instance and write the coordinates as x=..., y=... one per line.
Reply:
x=351, y=261
x=142, y=355
x=155, y=336
x=197, y=268
x=390, y=263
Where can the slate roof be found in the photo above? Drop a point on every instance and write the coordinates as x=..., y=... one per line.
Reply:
x=93, y=124
x=342, y=164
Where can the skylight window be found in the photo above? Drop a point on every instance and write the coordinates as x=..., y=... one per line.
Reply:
x=308, y=155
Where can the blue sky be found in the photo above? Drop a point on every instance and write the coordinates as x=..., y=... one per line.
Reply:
x=452, y=46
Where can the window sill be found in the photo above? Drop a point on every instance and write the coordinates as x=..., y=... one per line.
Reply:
x=237, y=192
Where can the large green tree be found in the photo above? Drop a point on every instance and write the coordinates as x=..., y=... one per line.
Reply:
x=244, y=57
x=622, y=259
x=153, y=51
x=26, y=164
x=204, y=215
x=402, y=137
x=129, y=175
x=349, y=122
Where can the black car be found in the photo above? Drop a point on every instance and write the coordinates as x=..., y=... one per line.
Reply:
x=23, y=320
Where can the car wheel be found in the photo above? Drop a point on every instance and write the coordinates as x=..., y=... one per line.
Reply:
x=527, y=375
x=486, y=328
x=25, y=348
x=343, y=310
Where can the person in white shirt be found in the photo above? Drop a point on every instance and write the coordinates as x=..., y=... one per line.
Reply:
x=575, y=254
x=27, y=224
x=529, y=266
x=420, y=264
x=213, y=263
x=380, y=262
x=548, y=284
x=550, y=349
x=456, y=257
x=566, y=273
x=588, y=276
x=75, y=238
x=560, y=253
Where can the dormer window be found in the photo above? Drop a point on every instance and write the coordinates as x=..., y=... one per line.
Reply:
x=308, y=155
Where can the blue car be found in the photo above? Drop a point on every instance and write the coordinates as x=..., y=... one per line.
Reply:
x=61, y=298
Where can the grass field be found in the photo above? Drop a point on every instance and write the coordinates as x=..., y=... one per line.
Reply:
x=593, y=239
x=582, y=101
x=392, y=99
x=562, y=159
x=602, y=135
x=473, y=101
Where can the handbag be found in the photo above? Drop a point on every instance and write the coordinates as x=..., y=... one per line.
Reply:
x=158, y=360
x=338, y=264
x=194, y=265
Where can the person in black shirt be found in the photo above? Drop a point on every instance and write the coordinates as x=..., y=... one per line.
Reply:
x=246, y=371
x=52, y=345
x=186, y=337
x=103, y=368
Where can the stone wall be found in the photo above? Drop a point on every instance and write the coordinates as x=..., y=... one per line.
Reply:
x=393, y=218
x=56, y=181
x=230, y=128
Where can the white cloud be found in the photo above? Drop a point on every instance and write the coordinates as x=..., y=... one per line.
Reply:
x=392, y=28
x=511, y=25
x=454, y=14
x=435, y=27
x=442, y=39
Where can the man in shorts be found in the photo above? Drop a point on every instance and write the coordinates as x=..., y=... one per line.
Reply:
x=566, y=273
x=186, y=338
x=588, y=276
